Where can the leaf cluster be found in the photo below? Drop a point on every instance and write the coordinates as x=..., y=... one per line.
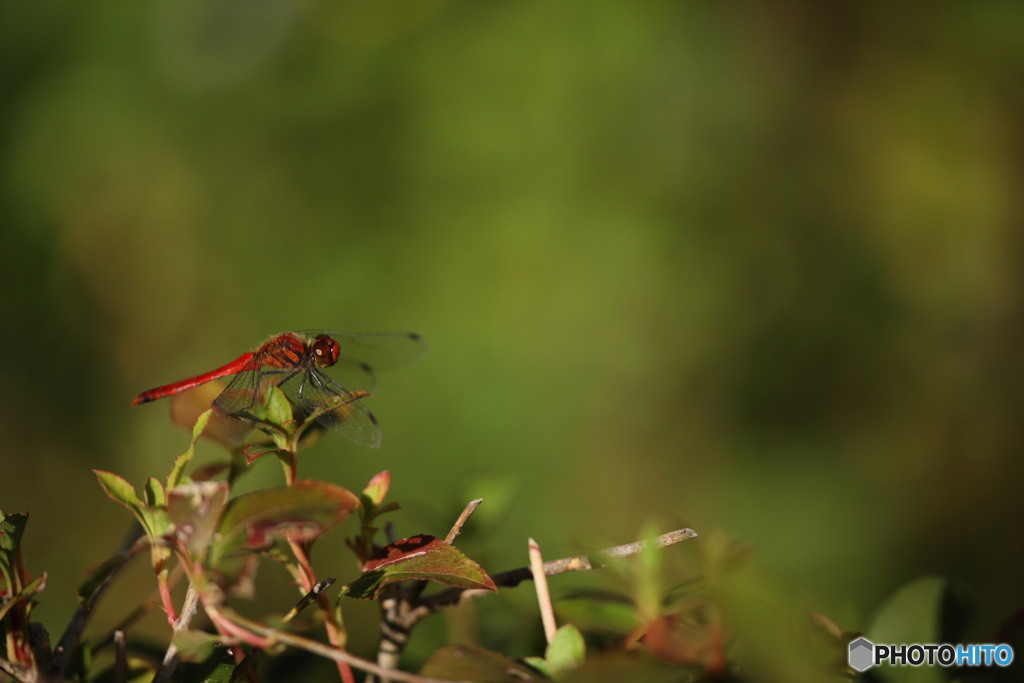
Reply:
x=719, y=623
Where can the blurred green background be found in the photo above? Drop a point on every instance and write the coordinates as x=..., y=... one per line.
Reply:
x=755, y=271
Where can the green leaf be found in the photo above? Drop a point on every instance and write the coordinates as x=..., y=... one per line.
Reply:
x=419, y=558
x=36, y=586
x=118, y=489
x=304, y=510
x=156, y=521
x=926, y=610
x=469, y=663
x=24, y=594
x=279, y=410
x=177, y=475
x=390, y=506
x=152, y=516
x=566, y=650
x=541, y=665
x=154, y=492
x=220, y=668
x=12, y=527
x=182, y=461
x=593, y=610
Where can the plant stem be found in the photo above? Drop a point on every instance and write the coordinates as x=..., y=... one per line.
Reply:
x=540, y=582
x=336, y=634
x=274, y=635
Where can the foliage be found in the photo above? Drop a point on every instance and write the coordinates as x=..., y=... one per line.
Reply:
x=711, y=626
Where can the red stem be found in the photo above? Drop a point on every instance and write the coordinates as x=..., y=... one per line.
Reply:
x=165, y=597
x=333, y=630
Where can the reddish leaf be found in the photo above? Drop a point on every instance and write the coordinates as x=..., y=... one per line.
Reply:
x=254, y=451
x=419, y=558
x=195, y=510
x=378, y=487
x=305, y=511
x=208, y=472
x=682, y=638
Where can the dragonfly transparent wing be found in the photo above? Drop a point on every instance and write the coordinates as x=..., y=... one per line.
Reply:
x=241, y=394
x=363, y=353
x=309, y=390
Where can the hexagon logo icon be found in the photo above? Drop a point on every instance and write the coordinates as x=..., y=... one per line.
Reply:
x=861, y=656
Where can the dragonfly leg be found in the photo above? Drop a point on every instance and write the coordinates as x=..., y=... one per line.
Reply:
x=308, y=404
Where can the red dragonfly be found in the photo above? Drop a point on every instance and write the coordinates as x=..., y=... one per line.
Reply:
x=295, y=361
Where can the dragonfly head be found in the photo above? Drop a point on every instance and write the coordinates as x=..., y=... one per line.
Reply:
x=325, y=350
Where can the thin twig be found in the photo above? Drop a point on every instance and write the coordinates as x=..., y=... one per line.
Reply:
x=188, y=612
x=325, y=651
x=629, y=549
x=333, y=633
x=457, y=527
x=15, y=671
x=137, y=613
x=132, y=544
x=540, y=581
x=120, y=658
x=318, y=588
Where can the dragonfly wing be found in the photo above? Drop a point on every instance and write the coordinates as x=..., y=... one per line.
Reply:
x=310, y=390
x=363, y=353
x=355, y=422
x=240, y=395
x=382, y=349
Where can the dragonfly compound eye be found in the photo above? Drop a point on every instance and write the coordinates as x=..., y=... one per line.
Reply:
x=325, y=351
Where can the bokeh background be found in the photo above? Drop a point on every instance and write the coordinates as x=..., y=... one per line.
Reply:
x=755, y=271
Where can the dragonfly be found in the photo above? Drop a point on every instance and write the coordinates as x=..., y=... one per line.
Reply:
x=295, y=362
